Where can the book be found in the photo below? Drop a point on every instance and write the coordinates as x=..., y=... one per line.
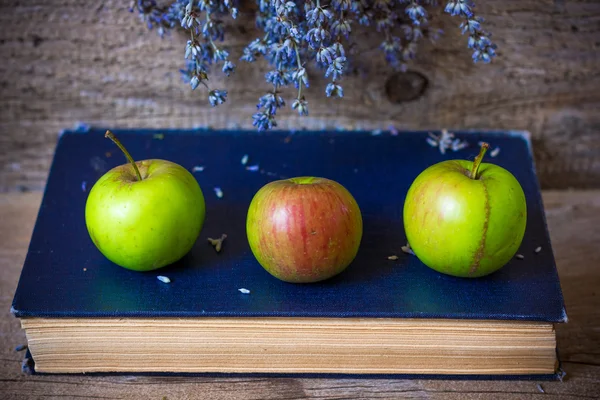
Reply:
x=223, y=313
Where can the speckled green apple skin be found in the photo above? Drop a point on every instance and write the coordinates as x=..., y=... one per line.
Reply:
x=461, y=226
x=304, y=229
x=148, y=224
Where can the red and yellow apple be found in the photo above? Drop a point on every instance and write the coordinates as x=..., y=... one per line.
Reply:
x=145, y=215
x=304, y=229
x=465, y=218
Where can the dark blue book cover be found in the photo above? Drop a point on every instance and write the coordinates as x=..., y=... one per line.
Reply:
x=64, y=275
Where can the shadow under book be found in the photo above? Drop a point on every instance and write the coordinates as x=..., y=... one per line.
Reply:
x=81, y=313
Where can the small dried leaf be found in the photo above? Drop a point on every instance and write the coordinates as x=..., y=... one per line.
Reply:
x=218, y=243
x=407, y=249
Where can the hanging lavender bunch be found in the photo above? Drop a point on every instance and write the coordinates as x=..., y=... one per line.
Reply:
x=297, y=33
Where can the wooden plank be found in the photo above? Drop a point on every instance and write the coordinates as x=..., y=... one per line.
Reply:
x=68, y=61
x=573, y=218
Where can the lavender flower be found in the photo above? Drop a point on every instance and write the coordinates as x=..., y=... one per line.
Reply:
x=269, y=103
x=341, y=28
x=264, y=120
x=228, y=68
x=458, y=7
x=333, y=90
x=194, y=82
x=301, y=105
x=278, y=77
x=479, y=40
x=216, y=97
x=325, y=55
x=317, y=15
x=336, y=68
x=192, y=49
x=416, y=13
x=300, y=75
x=254, y=50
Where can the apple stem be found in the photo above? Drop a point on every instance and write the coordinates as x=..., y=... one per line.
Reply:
x=112, y=137
x=477, y=161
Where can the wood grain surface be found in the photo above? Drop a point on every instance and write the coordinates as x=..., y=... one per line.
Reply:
x=69, y=61
x=573, y=219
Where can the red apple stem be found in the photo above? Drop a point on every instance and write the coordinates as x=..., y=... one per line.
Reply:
x=116, y=141
x=478, y=159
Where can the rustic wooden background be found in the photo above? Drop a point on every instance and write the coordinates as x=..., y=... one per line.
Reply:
x=69, y=61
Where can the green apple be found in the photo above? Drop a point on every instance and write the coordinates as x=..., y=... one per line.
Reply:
x=145, y=215
x=304, y=229
x=464, y=218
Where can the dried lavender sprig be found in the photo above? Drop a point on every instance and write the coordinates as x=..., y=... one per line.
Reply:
x=479, y=40
x=283, y=35
x=201, y=19
x=300, y=77
x=269, y=103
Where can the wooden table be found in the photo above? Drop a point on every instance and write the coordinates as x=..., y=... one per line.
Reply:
x=574, y=221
